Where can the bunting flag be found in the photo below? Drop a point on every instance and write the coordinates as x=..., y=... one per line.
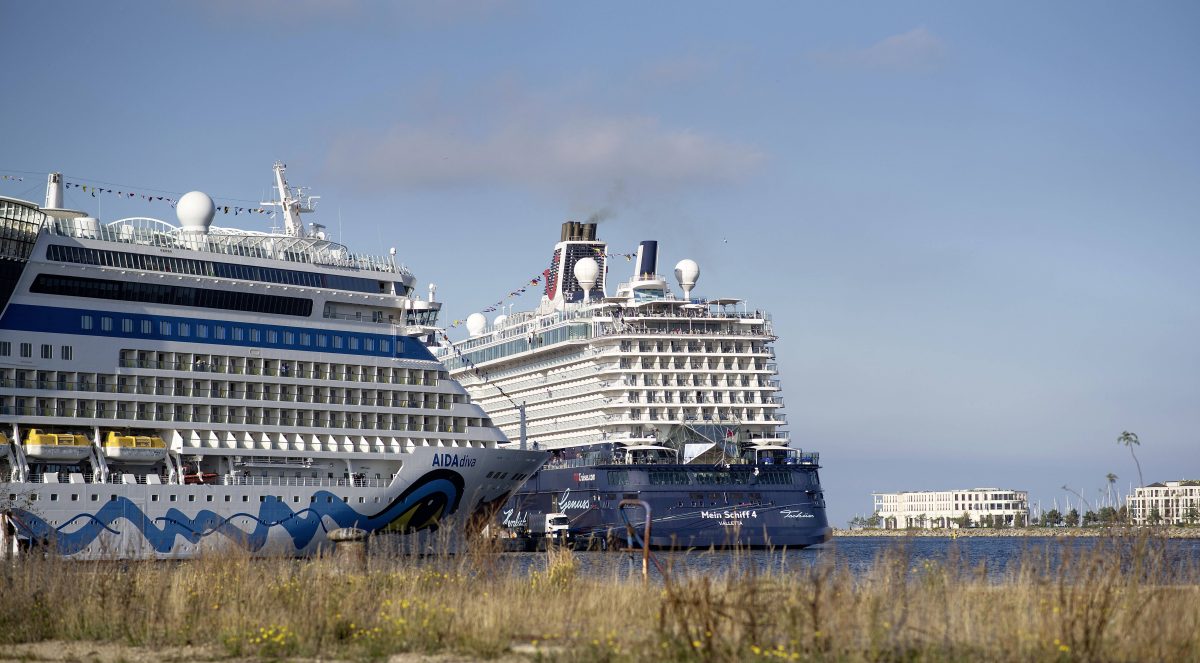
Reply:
x=537, y=280
x=93, y=190
x=495, y=307
x=627, y=256
x=13, y=178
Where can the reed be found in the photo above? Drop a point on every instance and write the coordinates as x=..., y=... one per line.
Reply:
x=1116, y=599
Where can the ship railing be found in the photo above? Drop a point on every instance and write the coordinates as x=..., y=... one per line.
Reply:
x=153, y=232
x=323, y=375
x=242, y=480
x=641, y=330
x=567, y=463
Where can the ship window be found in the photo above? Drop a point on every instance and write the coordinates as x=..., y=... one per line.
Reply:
x=385, y=346
x=255, y=336
x=227, y=498
x=85, y=322
x=47, y=351
x=5, y=348
x=53, y=497
x=95, y=498
x=164, y=328
x=236, y=333
x=353, y=342
x=272, y=336
x=289, y=338
x=105, y=323
x=127, y=325
x=219, y=332
x=191, y=498
x=68, y=353
x=146, y=326
x=185, y=329
x=369, y=345
x=337, y=342
x=201, y=331
x=322, y=340
x=305, y=339
x=154, y=498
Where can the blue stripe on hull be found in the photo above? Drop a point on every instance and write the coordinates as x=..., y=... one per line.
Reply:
x=429, y=499
x=56, y=320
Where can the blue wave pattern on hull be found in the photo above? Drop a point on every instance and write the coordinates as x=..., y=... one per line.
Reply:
x=431, y=497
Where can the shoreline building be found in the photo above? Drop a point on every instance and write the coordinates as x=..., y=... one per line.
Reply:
x=935, y=509
x=1168, y=503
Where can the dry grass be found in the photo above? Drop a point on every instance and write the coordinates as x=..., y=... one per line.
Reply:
x=1120, y=600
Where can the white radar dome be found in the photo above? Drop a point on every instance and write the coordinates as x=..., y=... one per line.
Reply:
x=686, y=272
x=587, y=270
x=498, y=323
x=195, y=211
x=476, y=322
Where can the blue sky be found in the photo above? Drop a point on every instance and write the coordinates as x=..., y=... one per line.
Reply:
x=975, y=223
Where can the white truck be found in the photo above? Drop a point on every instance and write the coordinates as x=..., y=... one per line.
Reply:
x=553, y=526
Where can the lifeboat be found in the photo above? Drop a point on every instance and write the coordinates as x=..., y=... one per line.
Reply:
x=134, y=448
x=60, y=447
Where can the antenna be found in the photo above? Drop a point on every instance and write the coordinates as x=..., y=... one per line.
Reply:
x=289, y=202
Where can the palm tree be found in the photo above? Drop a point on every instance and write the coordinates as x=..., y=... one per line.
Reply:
x=1112, y=480
x=1131, y=440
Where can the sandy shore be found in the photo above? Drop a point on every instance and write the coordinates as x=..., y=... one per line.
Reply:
x=1169, y=532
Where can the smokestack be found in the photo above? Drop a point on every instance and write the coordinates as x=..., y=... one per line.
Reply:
x=589, y=232
x=54, y=191
x=647, y=258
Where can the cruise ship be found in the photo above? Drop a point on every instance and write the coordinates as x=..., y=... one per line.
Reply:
x=644, y=395
x=167, y=390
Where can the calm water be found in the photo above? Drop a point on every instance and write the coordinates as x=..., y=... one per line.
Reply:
x=994, y=554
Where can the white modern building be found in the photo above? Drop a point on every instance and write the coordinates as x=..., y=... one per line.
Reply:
x=932, y=509
x=1167, y=503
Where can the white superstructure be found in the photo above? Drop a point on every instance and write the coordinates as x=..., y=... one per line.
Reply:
x=947, y=508
x=638, y=369
x=266, y=386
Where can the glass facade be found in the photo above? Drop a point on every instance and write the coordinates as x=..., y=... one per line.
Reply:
x=152, y=293
x=19, y=226
x=569, y=332
x=171, y=265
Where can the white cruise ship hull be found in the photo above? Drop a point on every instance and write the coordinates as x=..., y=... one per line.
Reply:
x=150, y=520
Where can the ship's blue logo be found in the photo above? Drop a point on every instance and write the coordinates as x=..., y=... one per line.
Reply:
x=422, y=505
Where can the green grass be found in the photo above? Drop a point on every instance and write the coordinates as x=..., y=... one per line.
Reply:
x=1120, y=600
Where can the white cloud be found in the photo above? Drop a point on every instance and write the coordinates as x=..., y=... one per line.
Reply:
x=916, y=49
x=564, y=154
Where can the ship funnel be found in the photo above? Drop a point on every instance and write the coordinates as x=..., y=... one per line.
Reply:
x=647, y=259
x=573, y=231
x=54, y=191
